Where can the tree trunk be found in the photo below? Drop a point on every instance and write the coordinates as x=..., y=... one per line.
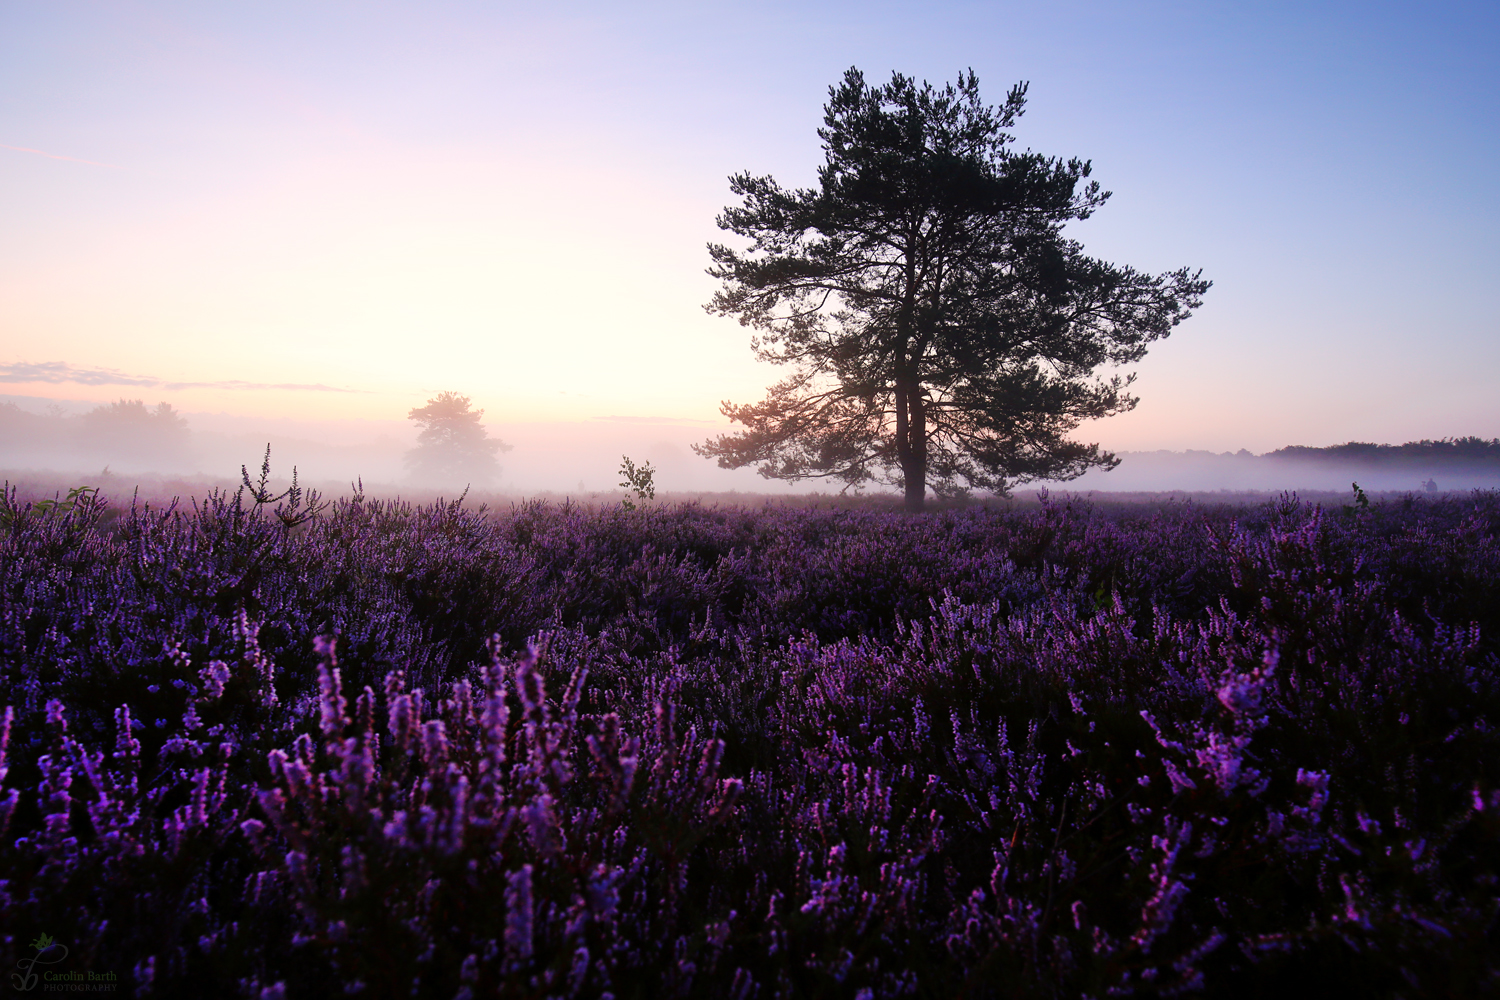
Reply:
x=911, y=442
x=916, y=495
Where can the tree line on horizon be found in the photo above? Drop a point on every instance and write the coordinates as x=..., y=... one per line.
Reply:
x=1469, y=450
x=125, y=430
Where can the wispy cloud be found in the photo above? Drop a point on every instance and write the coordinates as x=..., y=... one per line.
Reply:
x=656, y=420
x=59, y=156
x=61, y=371
x=235, y=383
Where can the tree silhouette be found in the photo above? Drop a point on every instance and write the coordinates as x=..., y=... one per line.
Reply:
x=452, y=446
x=943, y=331
x=126, y=430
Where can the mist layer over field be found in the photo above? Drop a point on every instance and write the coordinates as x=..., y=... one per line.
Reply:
x=42, y=436
x=53, y=440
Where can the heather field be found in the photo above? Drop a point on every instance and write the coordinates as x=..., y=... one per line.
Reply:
x=550, y=750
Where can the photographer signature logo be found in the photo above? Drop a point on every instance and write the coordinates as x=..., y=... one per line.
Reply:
x=48, y=952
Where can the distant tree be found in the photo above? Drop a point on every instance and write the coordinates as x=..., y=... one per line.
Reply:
x=943, y=331
x=127, y=430
x=452, y=446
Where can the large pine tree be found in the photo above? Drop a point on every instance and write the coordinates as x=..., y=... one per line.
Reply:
x=942, y=330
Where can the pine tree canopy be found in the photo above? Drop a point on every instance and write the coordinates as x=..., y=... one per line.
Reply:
x=941, y=330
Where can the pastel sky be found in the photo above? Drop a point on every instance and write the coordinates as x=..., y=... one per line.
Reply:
x=335, y=210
